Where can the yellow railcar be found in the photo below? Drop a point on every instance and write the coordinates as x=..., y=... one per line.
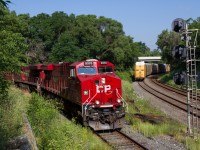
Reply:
x=140, y=71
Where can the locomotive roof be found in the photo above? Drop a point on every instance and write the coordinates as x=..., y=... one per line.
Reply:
x=79, y=62
x=92, y=60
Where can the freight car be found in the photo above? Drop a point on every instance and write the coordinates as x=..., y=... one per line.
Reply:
x=142, y=69
x=89, y=88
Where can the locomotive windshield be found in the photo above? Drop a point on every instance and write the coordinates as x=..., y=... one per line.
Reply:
x=87, y=70
x=105, y=69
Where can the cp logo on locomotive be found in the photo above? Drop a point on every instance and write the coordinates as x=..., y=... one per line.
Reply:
x=103, y=88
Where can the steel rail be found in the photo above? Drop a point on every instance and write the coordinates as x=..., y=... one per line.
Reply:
x=120, y=141
x=166, y=98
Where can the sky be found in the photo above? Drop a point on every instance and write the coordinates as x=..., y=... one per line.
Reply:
x=143, y=20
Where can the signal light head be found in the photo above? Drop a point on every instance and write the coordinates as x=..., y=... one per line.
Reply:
x=179, y=52
x=180, y=78
x=178, y=25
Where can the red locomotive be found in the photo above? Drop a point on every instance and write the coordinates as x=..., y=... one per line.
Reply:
x=90, y=88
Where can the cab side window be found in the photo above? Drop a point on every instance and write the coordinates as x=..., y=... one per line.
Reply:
x=72, y=72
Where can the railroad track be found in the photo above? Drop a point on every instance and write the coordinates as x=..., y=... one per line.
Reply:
x=175, y=98
x=179, y=91
x=120, y=141
x=175, y=90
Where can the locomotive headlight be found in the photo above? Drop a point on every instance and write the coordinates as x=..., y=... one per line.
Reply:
x=119, y=100
x=103, y=80
x=85, y=92
x=97, y=102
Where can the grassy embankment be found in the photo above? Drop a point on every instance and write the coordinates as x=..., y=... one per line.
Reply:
x=163, y=126
x=52, y=131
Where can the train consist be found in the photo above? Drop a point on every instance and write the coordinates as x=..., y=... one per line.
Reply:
x=90, y=89
x=142, y=69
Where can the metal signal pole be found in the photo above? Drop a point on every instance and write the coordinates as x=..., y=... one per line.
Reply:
x=180, y=26
x=188, y=78
x=192, y=94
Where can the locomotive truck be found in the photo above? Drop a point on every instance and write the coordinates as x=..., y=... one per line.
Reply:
x=90, y=89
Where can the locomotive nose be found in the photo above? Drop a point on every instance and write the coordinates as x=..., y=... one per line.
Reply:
x=104, y=91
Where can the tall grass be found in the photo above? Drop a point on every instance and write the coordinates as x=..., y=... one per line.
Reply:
x=55, y=132
x=11, y=109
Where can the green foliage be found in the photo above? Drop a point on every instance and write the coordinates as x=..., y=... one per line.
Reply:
x=127, y=91
x=166, y=41
x=4, y=3
x=54, y=131
x=125, y=75
x=11, y=55
x=11, y=109
x=168, y=128
x=67, y=49
x=195, y=24
x=12, y=46
x=62, y=37
x=143, y=49
x=192, y=144
x=4, y=87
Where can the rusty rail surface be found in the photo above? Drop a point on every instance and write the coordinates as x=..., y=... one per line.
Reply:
x=120, y=141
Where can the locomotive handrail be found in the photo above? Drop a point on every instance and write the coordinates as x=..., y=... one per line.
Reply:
x=84, y=103
x=88, y=101
x=123, y=101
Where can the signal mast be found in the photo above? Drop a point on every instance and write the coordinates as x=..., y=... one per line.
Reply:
x=188, y=54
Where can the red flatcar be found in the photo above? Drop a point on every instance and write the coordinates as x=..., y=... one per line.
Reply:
x=90, y=88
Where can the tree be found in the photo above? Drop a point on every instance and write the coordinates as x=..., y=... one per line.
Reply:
x=44, y=32
x=4, y=3
x=67, y=49
x=40, y=37
x=195, y=24
x=143, y=49
x=156, y=52
x=12, y=47
x=166, y=42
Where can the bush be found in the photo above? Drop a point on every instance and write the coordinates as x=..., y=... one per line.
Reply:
x=125, y=75
x=54, y=131
x=11, y=109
